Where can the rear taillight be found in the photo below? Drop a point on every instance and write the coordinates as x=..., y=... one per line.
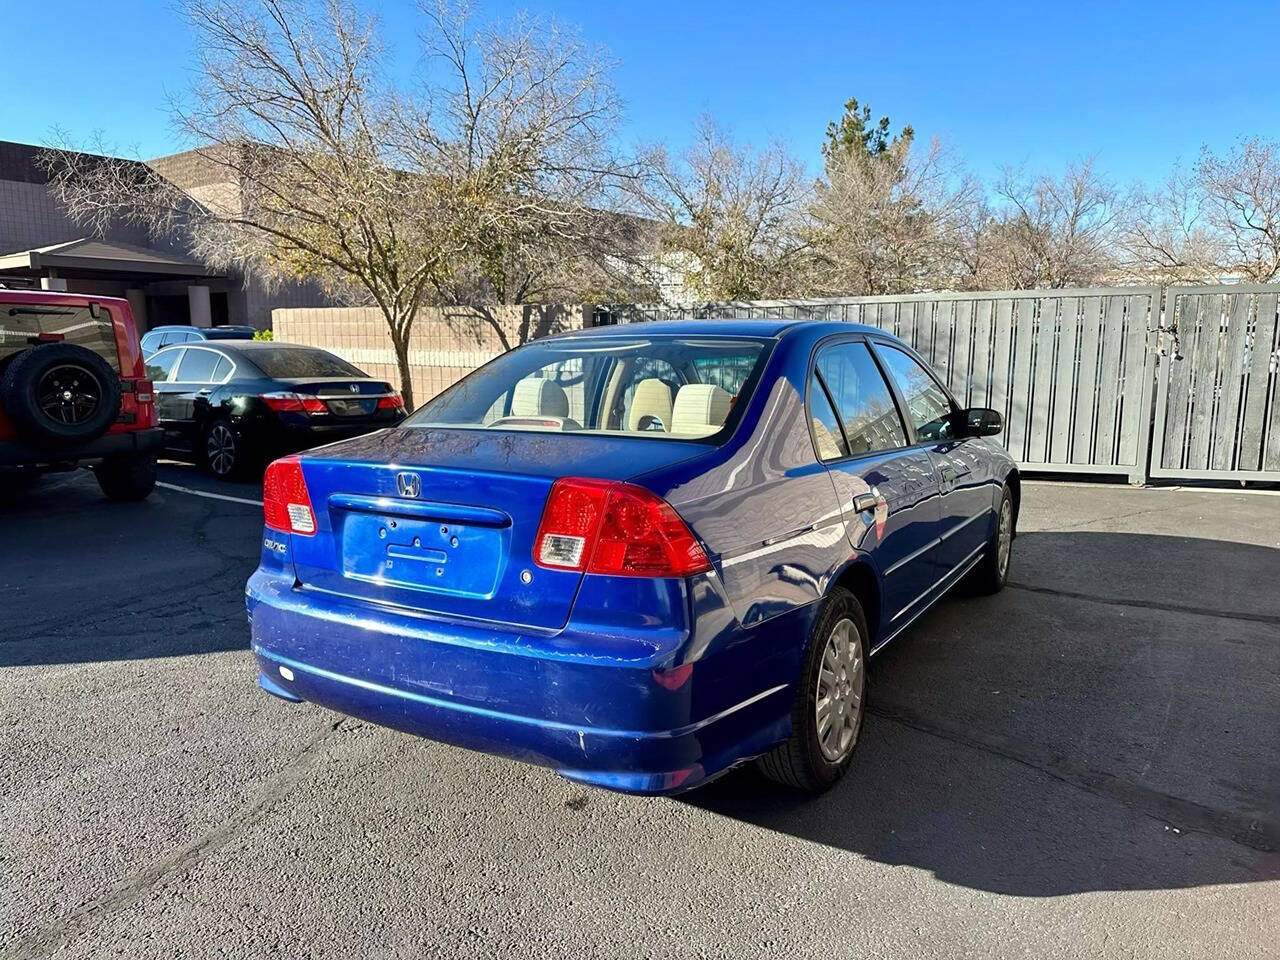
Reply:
x=284, y=401
x=286, y=504
x=142, y=391
x=392, y=401
x=606, y=527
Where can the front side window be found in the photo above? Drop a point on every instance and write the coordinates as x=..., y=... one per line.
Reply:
x=928, y=407
x=862, y=398
x=651, y=386
x=161, y=365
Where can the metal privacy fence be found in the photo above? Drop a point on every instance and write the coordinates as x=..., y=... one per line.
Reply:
x=1180, y=383
x=1217, y=411
x=1070, y=370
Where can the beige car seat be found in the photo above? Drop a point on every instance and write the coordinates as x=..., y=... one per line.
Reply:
x=652, y=399
x=700, y=409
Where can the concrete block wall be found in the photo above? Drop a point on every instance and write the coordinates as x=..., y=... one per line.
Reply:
x=446, y=343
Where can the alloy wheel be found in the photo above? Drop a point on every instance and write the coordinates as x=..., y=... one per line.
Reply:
x=1004, y=537
x=221, y=449
x=69, y=393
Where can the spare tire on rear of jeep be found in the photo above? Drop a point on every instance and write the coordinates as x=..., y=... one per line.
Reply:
x=59, y=394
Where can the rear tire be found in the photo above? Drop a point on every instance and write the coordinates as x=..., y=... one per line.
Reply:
x=223, y=450
x=822, y=741
x=992, y=571
x=127, y=478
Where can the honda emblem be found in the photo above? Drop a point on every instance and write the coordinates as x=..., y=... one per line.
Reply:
x=409, y=485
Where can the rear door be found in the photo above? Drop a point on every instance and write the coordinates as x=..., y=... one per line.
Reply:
x=966, y=502
x=192, y=384
x=887, y=489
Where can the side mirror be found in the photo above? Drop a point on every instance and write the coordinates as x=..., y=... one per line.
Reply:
x=981, y=422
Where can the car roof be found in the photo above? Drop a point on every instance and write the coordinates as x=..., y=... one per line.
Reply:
x=720, y=327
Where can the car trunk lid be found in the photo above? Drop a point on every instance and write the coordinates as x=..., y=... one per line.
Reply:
x=345, y=398
x=444, y=521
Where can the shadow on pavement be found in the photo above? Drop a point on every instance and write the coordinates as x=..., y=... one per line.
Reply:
x=86, y=580
x=1090, y=728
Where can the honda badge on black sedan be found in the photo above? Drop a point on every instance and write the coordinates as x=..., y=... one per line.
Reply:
x=638, y=556
x=233, y=404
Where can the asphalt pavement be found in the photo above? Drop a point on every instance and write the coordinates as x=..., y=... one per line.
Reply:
x=1086, y=765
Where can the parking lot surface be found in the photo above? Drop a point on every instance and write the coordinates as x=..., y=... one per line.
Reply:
x=1086, y=765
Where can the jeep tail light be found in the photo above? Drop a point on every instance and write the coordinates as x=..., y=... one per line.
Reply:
x=617, y=529
x=285, y=401
x=143, y=391
x=392, y=401
x=286, y=504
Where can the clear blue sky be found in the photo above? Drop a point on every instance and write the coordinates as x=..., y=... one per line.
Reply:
x=1026, y=83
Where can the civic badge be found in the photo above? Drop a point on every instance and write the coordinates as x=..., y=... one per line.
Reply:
x=409, y=485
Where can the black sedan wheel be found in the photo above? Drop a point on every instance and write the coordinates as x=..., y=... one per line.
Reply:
x=222, y=450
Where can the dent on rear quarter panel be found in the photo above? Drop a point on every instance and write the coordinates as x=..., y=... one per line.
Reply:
x=763, y=504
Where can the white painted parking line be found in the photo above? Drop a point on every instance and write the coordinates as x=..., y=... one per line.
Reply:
x=207, y=495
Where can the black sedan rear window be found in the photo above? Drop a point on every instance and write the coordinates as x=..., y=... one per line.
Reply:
x=288, y=362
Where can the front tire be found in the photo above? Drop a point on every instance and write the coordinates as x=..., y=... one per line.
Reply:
x=827, y=714
x=992, y=571
x=127, y=478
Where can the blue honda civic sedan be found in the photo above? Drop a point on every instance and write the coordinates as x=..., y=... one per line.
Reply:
x=637, y=555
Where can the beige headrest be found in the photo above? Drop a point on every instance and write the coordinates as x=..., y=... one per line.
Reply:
x=652, y=399
x=700, y=409
x=538, y=397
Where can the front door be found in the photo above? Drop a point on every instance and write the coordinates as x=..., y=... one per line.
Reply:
x=888, y=490
x=966, y=508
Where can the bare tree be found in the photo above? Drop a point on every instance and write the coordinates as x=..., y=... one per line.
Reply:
x=730, y=217
x=888, y=222
x=1049, y=232
x=1168, y=239
x=340, y=177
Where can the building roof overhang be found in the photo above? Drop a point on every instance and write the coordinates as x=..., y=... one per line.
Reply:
x=88, y=257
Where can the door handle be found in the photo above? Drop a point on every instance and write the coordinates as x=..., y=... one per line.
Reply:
x=865, y=502
x=203, y=393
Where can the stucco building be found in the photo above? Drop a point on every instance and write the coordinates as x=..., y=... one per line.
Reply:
x=40, y=246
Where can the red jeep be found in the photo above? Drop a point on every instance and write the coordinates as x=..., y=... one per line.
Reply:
x=74, y=391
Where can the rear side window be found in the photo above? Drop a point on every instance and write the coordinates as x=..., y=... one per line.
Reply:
x=197, y=366
x=928, y=407
x=22, y=323
x=862, y=398
x=287, y=362
x=828, y=438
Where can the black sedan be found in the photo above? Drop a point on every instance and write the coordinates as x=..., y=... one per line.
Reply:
x=233, y=405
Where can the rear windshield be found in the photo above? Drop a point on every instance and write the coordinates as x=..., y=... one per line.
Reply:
x=228, y=333
x=22, y=323
x=681, y=388
x=282, y=363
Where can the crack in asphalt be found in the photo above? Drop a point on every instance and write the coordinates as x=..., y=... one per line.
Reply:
x=1151, y=605
x=1186, y=815
x=124, y=895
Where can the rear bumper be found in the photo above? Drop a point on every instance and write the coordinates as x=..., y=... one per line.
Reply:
x=619, y=723
x=16, y=453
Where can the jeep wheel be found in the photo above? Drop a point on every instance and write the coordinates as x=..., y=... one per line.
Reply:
x=60, y=394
